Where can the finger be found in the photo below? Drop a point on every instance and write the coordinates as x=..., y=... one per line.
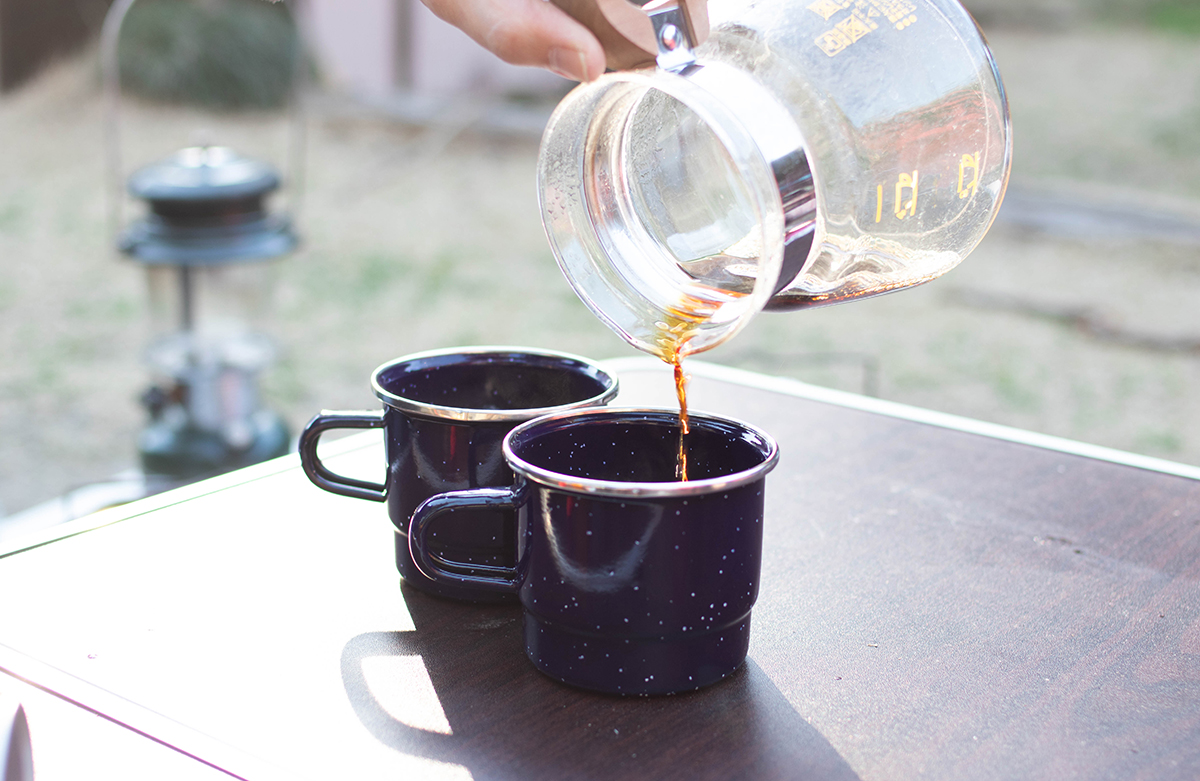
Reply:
x=527, y=32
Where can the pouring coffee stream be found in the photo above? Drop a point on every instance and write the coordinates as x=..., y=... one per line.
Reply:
x=681, y=380
x=672, y=343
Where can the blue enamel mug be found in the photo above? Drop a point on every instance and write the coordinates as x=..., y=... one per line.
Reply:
x=445, y=414
x=632, y=582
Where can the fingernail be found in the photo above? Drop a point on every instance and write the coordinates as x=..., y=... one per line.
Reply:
x=569, y=63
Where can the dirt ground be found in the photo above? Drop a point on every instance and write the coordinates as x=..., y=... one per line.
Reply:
x=424, y=236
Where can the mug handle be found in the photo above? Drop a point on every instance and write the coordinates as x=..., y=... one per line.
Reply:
x=320, y=474
x=500, y=580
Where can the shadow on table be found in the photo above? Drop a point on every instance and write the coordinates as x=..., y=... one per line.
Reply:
x=508, y=719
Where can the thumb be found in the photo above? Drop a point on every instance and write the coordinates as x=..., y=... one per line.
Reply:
x=527, y=32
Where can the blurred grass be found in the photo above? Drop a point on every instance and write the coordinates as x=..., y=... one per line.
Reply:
x=235, y=54
x=1177, y=16
x=1173, y=16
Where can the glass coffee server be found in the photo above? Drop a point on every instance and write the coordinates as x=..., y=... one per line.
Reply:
x=751, y=155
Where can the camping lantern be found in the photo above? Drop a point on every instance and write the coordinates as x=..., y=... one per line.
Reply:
x=206, y=243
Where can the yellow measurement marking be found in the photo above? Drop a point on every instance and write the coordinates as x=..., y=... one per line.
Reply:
x=855, y=27
x=825, y=8
x=906, y=208
x=895, y=10
x=849, y=29
x=860, y=21
x=968, y=163
x=832, y=42
x=878, y=202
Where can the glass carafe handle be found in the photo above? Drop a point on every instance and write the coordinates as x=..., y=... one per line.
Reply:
x=624, y=27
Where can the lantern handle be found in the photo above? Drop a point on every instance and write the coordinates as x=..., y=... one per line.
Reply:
x=110, y=67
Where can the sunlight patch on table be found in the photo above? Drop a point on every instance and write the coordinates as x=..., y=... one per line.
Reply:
x=401, y=686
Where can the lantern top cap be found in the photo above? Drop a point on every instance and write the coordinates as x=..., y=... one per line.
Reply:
x=203, y=173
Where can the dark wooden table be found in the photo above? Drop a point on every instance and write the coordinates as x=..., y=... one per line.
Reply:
x=940, y=599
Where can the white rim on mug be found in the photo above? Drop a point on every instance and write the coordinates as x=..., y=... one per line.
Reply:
x=622, y=489
x=438, y=411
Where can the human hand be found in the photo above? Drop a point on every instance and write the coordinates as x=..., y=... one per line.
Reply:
x=527, y=32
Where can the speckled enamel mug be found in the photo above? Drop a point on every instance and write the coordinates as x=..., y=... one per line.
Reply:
x=445, y=414
x=632, y=582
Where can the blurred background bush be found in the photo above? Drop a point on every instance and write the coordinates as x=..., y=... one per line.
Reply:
x=228, y=55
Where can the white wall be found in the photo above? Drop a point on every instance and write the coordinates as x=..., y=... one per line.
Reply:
x=355, y=43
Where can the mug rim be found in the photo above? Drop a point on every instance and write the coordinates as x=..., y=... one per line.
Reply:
x=473, y=415
x=623, y=489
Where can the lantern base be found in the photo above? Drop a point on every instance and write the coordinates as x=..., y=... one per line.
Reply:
x=176, y=448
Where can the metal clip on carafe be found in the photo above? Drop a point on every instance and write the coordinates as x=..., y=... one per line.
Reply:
x=631, y=33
